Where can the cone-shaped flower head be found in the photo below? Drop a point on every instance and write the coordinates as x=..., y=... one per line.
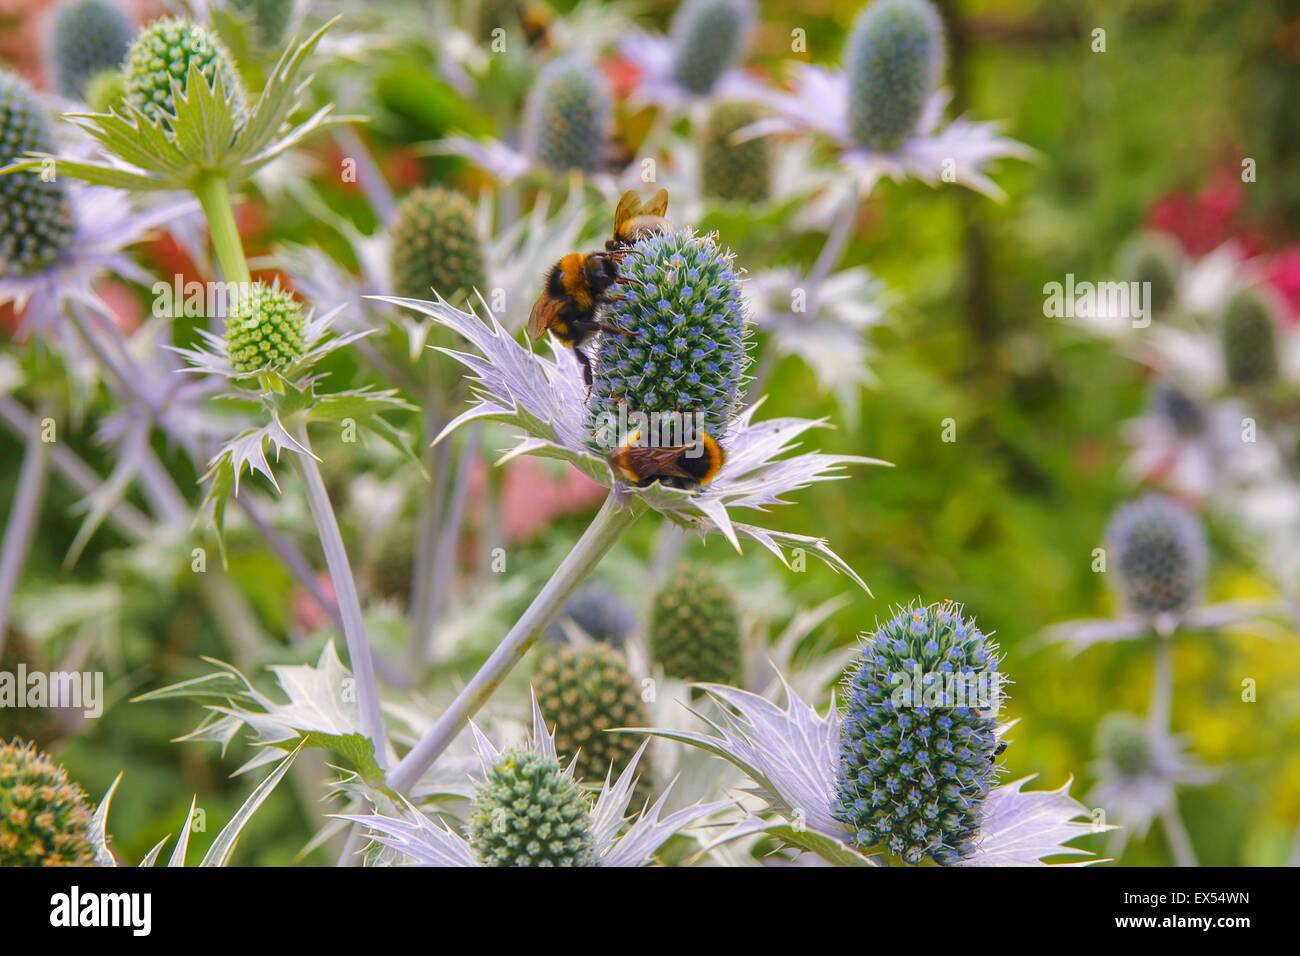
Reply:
x=687, y=356
x=918, y=743
x=264, y=330
x=1249, y=340
x=530, y=813
x=1124, y=741
x=163, y=54
x=89, y=37
x=567, y=117
x=37, y=223
x=1179, y=409
x=105, y=91
x=36, y=220
x=735, y=171
x=44, y=817
x=695, y=628
x=1158, y=555
x=1156, y=259
x=894, y=59
x=585, y=692
x=709, y=37
x=436, y=246
x=600, y=613
x=270, y=20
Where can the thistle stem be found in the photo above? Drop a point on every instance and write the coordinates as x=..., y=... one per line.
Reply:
x=213, y=194
x=605, y=529
x=20, y=529
x=354, y=632
x=1162, y=686
x=1180, y=844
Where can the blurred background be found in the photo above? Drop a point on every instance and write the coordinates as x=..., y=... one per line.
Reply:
x=1146, y=135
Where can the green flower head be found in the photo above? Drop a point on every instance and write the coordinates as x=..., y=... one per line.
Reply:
x=567, y=117
x=436, y=246
x=160, y=60
x=893, y=58
x=709, y=37
x=530, y=813
x=1249, y=332
x=732, y=171
x=45, y=819
x=1124, y=740
x=264, y=330
x=695, y=628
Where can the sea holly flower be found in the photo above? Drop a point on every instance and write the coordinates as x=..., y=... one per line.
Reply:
x=567, y=117
x=730, y=170
x=906, y=771
x=694, y=631
x=45, y=819
x=883, y=110
x=87, y=38
x=1249, y=332
x=546, y=398
x=529, y=812
x=435, y=245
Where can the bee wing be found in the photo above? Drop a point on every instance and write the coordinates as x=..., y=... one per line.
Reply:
x=658, y=461
x=658, y=204
x=539, y=320
x=629, y=207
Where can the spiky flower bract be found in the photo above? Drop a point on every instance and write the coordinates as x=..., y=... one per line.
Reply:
x=709, y=37
x=893, y=58
x=36, y=219
x=687, y=355
x=264, y=330
x=1124, y=740
x=584, y=692
x=162, y=56
x=1156, y=259
x=436, y=247
x=600, y=613
x=45, y=819
x=731, y=170
x=1158, y=555
x=529, y=813
x=695, y=628
x=1249, y=333
x=567, y=117
x=88, y=38
x=918, y=743
x=270, y=19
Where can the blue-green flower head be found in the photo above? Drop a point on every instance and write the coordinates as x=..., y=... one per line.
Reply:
x=687, y=356
x=162, y=55
x=36, y=219
x=709, y=37
x=1158, y=555
x=893, y=60
x=88, y=38
x=1249, y=334
x=918, y=742
x=1124, y=740
x=567, y=117
x=528, y=812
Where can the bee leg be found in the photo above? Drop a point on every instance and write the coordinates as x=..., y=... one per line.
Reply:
x=615, y=328
x=586, y=367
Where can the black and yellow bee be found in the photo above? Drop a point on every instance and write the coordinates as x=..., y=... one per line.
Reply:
x=678, y=466
x=576, y=287
x=634, y=221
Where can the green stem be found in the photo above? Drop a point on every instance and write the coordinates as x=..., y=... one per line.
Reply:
x=214, y=196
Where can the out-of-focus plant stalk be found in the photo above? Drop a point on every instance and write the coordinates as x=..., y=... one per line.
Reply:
x=610, y=522
x=20, y=529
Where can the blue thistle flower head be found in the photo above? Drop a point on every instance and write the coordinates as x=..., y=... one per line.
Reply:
x=1180, y=410
x=1158, y=552
x=709, y=37
x=37, y=225
x=567, y=117
x=688, y=354
x=894, y=59
x=918, y=740
x=89, y=37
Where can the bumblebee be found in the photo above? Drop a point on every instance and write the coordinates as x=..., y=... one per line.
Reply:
x=676, y=466
x=634, y=221
x=576, y=287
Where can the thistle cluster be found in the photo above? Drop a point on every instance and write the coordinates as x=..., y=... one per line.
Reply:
x=894, y=59
x=695, y=628
x=264, y=330
x=36, y=218
x=730, y=170
x=159, y=64
x=44, y=817
x=528, y=812
x=435, y=246
x=1159, y=555
x=567, y=116
x=1249, y=333
x=918, y=741
x=709, y=37
x=687, y=356
x=585, y=692
x=89, y=38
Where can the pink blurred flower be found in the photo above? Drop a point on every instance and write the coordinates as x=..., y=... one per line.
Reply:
x=1283, y=274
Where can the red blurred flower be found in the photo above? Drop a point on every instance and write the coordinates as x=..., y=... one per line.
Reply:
x=1283, y=274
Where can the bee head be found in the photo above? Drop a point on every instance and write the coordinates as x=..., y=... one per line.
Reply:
x=602, y=271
